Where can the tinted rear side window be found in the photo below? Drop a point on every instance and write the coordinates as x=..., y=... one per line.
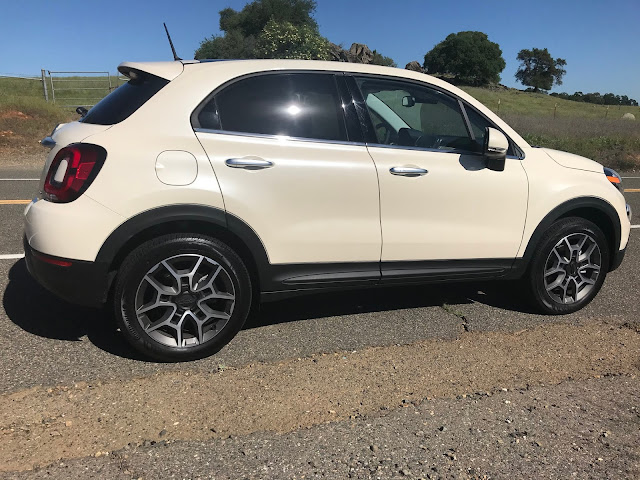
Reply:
x=125, y=100
x=304, y=105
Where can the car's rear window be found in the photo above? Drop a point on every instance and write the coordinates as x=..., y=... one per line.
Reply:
x=125, y=100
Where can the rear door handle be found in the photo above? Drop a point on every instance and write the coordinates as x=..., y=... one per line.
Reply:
x=408, y=171
x=248, y=163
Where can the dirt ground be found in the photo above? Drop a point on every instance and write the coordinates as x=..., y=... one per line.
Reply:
x=28, y=158
x=44, y=425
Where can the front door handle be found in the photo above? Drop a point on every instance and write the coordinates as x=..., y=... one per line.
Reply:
x=248, y=163
x=408, y=171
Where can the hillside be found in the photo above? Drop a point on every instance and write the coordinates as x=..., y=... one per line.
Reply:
x=513, y=101
x=585, y=129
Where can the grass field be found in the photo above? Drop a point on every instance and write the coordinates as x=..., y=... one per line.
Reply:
x=514, y=102
x=26, y=118
x=585, y=129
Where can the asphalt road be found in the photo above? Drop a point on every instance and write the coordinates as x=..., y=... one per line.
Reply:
x=45, y=341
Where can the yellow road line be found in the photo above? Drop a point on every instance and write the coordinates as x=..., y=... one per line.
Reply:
x=14, y=202
x=632, y=190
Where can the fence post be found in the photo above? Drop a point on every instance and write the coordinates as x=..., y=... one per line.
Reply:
x=555, y=108
x=53, y=90
x=44, y=85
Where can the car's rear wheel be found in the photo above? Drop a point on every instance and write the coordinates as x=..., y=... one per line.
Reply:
x=181, y=297
x=569, y=266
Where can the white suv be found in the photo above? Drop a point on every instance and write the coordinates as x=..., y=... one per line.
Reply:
x=198, y=188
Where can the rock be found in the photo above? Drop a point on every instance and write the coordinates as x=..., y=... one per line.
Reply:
x=338, y=54
x=443, y=428
x=162, y=433
x=357, y=53
x=360, y=53
x=374, y=448
x=628, y=116
x=414, y=66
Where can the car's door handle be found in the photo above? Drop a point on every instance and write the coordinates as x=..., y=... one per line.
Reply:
x=408, y=171
x=249, y=163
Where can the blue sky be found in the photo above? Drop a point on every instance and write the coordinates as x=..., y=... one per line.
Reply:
x=600, y=40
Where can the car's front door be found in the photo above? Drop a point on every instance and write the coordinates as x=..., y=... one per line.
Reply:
x=439, y=201
x=287, y=168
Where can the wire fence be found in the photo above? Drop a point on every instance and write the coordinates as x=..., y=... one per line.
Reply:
x=63, y=88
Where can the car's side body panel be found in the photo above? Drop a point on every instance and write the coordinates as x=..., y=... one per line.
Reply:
x=317, y=203
x=74, y=230
x=458, y=210
x=551, y=185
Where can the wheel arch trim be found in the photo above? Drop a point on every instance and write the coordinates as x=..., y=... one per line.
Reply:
x=182, y=214
x=577, y=204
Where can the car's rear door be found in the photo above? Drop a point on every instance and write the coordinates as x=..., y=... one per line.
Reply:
x=289, y=169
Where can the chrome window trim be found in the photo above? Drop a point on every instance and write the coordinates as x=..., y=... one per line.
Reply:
x=434, y=150
x=278, y=137
x=336, y=142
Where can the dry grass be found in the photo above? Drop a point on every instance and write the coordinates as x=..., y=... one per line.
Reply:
x=612, y=142
x=513, y=101
x=26, y=121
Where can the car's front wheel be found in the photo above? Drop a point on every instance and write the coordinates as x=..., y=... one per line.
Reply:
x=569, y=266
x=181, y=297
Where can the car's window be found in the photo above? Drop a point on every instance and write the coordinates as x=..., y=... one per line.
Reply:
x=479, y=125
x=407, y=114
x=304, y=105
x=125, y=99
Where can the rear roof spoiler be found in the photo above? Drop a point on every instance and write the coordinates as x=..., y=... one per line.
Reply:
x=166, y=70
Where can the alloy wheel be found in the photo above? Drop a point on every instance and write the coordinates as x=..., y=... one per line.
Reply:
x=572, y=268
x=185, y=300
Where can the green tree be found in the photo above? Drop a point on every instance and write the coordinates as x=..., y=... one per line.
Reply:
x=242, y=28
x=538, y=69
x=469, y=56
x=379, y=59
x=285, y=40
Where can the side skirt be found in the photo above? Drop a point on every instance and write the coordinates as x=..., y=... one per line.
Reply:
x=298, y=279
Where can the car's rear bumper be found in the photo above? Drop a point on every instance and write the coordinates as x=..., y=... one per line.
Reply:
x=76, y=281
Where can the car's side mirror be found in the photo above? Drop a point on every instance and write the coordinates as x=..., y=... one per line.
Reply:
x=495, y=149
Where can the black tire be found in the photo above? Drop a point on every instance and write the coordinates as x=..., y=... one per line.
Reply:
x=132, y=287
x=545, y=260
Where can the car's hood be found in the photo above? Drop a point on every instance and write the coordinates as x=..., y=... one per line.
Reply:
x=569, y=160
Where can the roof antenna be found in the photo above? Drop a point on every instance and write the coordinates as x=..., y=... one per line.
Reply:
x=175, y=55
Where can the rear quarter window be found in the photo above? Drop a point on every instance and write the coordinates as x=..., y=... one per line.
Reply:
x=125, y=100
x=299, y=105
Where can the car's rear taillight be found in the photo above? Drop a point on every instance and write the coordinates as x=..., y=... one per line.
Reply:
x=72, y=171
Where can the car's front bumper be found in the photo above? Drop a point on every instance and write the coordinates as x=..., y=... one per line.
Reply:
x=76, y=281
x=616, y=259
